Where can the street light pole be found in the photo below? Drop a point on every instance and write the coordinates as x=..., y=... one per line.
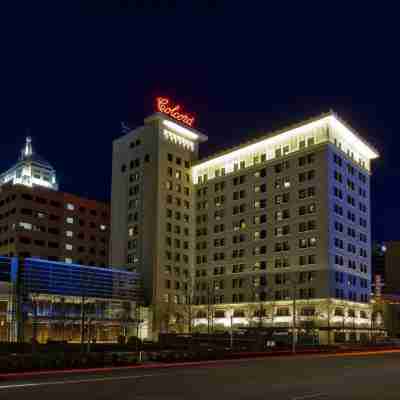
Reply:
x=294, y=321
x=231, y=331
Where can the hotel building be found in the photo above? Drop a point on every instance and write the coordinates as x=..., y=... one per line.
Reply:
x=274, y=231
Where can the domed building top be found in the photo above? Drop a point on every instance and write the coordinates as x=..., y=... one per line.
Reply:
x=30, y=170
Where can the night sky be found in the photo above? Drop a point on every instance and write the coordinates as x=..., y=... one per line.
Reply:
x=70, y=73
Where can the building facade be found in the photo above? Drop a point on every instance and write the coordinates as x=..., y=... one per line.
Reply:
x=385, y=267
x=37, y=220
x=44, y=300
x=282, y=222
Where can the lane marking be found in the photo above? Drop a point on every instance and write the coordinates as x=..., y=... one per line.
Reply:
x=309, y=396
x=78, y=381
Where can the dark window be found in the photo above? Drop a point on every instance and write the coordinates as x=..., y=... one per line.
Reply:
x=26, y=211
x=41, y=200
x=25, y=240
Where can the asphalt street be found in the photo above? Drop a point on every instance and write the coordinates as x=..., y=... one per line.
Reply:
x=288, y=378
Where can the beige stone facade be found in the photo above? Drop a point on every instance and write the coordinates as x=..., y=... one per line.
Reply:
x=284, y=217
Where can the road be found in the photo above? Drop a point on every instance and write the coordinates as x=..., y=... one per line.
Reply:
x=278, y=378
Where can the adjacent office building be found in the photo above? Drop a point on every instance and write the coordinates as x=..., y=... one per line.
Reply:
x=37, y=220
x=385, y=267
x=247, y=232
x=55, y=280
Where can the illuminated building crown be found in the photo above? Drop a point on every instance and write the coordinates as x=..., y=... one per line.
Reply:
x=30, y=170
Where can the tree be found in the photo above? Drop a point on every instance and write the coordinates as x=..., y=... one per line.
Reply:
x=259, y=296
x=187, y=308
x=210, y=308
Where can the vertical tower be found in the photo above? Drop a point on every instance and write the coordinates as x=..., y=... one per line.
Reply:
x=151, y=207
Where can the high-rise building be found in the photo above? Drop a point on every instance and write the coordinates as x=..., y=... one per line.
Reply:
x=37, y=220
x=283, y=217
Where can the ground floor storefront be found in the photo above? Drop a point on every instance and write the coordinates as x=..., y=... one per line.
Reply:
x=317, y=321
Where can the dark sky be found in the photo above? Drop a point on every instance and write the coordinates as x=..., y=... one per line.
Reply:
x=71, y=71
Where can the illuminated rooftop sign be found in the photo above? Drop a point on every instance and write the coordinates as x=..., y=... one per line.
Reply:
x=165, y=106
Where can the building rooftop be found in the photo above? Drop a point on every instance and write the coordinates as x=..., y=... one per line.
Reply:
x=331, y=115
x=30, y=170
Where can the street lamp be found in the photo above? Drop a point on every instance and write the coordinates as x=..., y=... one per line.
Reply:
x=230, y=315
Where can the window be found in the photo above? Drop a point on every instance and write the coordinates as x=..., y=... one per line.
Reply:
x=68, y=260
x=69, y=233
x=25, y=225
x=70, y=206
x=68, y=246
x=307, y=260
x=337, y=160
x=309, y=192
x=281, y=166
x=282, y=312
x=69, y=220
x=306, y=176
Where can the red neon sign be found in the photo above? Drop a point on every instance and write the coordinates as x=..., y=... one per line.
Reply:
x=164, y=105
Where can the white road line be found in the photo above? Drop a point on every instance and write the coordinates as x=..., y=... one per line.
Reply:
x=309, y=396
x=77, y=381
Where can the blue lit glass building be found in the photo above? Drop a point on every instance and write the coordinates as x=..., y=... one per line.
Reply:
x=49, y=300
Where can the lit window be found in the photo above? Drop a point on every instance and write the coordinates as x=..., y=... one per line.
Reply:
x=70, y=206
x=68, y=246
x=130, y=231
x=25, y=225
x=70, y=220
x=69, y=233
x=103, y=227
x=68, y=260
